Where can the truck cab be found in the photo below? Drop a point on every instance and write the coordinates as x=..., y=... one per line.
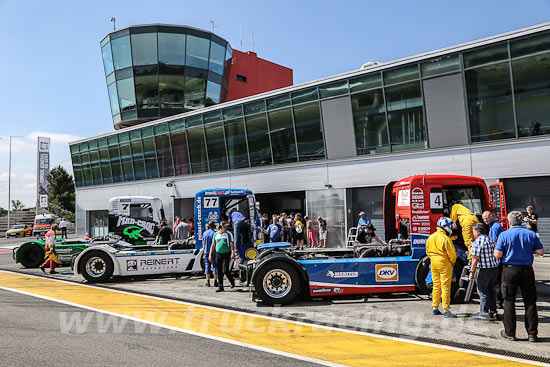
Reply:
x=217, y=204
x=413, y=205
x=136, y=219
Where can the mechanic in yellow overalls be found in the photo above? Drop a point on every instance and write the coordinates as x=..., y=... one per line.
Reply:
x=463, y=216
x=441, y=251
x=51, y=256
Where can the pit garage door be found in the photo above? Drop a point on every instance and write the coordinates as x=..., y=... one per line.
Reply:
x=535, y=191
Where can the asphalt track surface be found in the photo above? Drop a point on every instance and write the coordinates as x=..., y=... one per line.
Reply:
x=192, y=290
x=38, y=332
x=301, y=341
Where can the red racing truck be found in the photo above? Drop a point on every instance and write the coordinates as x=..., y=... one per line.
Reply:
x=412, y=206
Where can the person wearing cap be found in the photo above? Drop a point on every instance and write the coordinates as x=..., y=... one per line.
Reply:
x=222, y=244
x=363, y=221
x=209, y=265
x=367, y=235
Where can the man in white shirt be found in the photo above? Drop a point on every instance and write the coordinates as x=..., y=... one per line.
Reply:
x=63, y=227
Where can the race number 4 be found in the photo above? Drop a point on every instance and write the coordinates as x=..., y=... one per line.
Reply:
x=436, y=200
x=211, y=202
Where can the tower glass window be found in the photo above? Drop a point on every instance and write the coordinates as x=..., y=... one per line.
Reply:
x=197, y=52
x=171, y=48
x=122, y=57
x=107, y=58
x=282, y=136
x=144, y=49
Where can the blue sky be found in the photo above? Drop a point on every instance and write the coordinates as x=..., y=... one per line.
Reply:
x=51, y=73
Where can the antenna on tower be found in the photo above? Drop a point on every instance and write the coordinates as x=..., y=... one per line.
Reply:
x=113, y=19
x=213, y=24
x=252, y=31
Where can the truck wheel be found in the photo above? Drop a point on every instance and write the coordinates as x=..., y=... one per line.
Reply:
x=422, y=270
x=278, y=283
x=31, y=255
x=96, y=267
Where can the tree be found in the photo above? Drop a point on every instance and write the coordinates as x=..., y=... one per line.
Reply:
x=3, y=212
x=62, y=189
x=17, y=205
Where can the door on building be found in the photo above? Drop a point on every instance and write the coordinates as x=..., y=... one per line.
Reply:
x=184, y=208
x=279, y=202
x=534, y=191
x=369, y=200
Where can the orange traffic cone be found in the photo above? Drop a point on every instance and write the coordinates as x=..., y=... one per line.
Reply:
x=86, y=237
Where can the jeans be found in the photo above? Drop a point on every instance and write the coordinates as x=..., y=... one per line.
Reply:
x=486, y=282
x=522, y=276
x=222, y=268
x=64, y=232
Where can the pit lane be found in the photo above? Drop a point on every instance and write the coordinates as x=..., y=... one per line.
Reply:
x=403, y=315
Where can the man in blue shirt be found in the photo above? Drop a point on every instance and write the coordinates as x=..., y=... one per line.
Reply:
x=209, y=266
x=495, y=229
x=363, y=221
x=274, y=231
x=516, y=247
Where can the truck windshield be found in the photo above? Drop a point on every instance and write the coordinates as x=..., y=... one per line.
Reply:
x=470, y=197
x=43, y=221
x=142, y=211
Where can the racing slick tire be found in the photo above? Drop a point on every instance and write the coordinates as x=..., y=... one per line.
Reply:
x=277, y=283
x=31, y=256
x=96, y=267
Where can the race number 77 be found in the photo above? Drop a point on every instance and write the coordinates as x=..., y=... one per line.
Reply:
x=211, y=202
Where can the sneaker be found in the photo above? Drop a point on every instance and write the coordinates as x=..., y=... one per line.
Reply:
x=219, y=290
x=53, y=272
x=494, y=316
x=481, y=317
x=533, y=338
x=506, y=336
x=42, y=268
x=449, y=314
x=436, y=312
x=242, y=284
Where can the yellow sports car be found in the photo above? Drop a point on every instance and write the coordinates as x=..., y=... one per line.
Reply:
x=19, y=230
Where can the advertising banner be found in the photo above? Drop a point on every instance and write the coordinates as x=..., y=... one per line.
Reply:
x=43, y=175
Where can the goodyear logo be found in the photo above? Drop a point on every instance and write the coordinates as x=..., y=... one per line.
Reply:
x=321, y=290
x=387, y=272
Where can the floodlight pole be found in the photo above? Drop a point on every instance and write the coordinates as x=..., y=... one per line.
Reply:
x=9, y=186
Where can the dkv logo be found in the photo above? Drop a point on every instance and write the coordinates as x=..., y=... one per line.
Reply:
x=387, y=272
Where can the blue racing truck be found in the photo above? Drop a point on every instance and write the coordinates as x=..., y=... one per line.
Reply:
x=280, y=274
x=216, y=205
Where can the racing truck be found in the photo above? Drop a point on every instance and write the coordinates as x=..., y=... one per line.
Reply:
x=132, y=219
x=105, y=259
x=42, y=224
x=412, y=206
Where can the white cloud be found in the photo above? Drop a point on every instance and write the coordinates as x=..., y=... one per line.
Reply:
x=55, y=138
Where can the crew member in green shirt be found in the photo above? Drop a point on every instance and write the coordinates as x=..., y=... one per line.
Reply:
x=223, y=242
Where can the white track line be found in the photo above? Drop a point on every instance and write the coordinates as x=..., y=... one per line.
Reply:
x=410, y=341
